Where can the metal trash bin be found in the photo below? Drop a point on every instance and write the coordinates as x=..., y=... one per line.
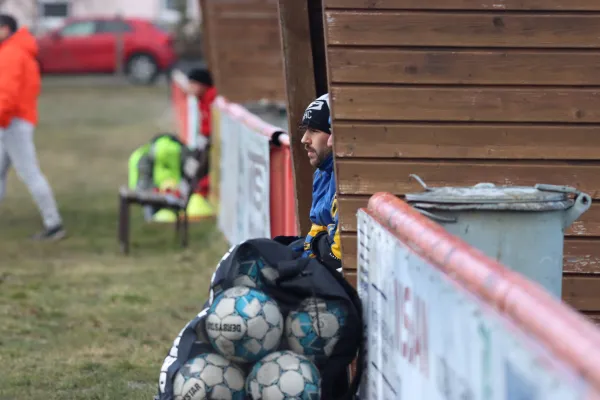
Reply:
x=521, y=227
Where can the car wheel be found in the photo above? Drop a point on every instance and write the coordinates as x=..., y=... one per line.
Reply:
x=142, y=69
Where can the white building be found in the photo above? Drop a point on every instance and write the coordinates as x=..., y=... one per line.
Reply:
x=41, y=15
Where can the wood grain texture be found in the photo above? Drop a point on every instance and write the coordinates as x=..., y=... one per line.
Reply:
x=465, y=91
x=350, y=277
x=242, y=8
x=235, y=30
x=489, y=29
x=519, y=5
x=588, y=225
x=367, y=177
x=581, y=292
x=241, y=89
x=301, y=90
x=484, y=67
x=466, y=141
x=348, y=207
x=581, y=256
x=486, y=104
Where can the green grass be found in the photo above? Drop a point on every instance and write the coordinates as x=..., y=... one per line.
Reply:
x=77, y=319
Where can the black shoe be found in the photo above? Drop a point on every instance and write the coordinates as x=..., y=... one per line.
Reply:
x=56, y=233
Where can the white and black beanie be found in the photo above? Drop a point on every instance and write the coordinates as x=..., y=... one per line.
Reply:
x=317, y=115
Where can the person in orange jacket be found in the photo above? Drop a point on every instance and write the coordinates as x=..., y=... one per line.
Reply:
x=20, y=86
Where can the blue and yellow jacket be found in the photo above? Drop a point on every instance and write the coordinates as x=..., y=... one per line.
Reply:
x=323, y=240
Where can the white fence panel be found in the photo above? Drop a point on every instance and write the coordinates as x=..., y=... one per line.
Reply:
x=430, y=339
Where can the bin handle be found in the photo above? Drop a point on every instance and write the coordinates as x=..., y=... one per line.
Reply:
x=556, y=188
x=583, y=202
x=436, y=217
x=421, y=182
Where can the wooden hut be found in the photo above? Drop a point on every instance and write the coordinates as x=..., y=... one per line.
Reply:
x=243, y=49
x=458, y=92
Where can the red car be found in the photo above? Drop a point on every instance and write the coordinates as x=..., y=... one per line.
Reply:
x=90, y=46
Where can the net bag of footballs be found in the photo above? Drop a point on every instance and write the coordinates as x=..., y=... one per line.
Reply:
x=269, y=310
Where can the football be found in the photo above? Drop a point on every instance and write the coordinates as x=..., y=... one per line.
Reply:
x=209, y=376
x=314, y=328
x=244, y=324
x=252, y=271
x=284, y=375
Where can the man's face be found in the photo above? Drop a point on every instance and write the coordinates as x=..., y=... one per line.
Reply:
x=4, y=33
x=317, y=146
x=197, y=89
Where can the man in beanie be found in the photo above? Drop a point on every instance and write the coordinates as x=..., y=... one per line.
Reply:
x=323, y=240
x=201, y=85
x=20, y=85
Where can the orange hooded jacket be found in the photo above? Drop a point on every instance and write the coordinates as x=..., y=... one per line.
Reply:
x=20, y=81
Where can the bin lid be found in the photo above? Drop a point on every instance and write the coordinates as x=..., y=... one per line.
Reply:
x=489, y=196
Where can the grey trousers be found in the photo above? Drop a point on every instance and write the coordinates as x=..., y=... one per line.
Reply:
x=17, y=149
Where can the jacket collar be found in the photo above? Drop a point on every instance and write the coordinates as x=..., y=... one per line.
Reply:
x=209, y=95
x=327, y=164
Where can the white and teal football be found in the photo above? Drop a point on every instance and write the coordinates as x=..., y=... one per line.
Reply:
x=253, y=271
x=314, y=328
x=209, y=376
x=284, y=375
x=244, y=324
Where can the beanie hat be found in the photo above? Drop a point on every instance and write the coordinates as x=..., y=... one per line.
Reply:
x=317, y=115
x=201, y=76
x=9, y=21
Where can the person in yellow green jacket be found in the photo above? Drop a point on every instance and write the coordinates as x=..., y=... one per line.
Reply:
x=157, y=165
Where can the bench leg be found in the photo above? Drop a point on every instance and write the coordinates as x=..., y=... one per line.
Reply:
x=185, y=230
x=124, y=225
x=177, y=227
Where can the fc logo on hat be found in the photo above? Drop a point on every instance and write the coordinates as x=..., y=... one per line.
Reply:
x=316, y=105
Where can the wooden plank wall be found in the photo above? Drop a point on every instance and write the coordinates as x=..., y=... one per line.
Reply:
x=468, y=91
x=245, y=48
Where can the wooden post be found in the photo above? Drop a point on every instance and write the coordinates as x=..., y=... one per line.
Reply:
x=301, y=90
x=205, y=29
x=210, y=43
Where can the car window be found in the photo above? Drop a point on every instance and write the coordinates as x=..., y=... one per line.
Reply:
x=75, y=29
x=114, y=26
x=162, y=27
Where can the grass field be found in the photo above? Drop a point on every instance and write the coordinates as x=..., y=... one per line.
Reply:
x=78, y=320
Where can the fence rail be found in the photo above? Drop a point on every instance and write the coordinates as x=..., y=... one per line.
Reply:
x=445, y=321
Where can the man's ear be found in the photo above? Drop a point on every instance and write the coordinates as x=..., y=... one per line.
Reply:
x=330, y=141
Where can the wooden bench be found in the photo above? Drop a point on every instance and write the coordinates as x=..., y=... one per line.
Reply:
x=195, y=166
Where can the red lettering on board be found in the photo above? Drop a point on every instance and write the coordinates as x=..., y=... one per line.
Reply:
x=411, y=328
